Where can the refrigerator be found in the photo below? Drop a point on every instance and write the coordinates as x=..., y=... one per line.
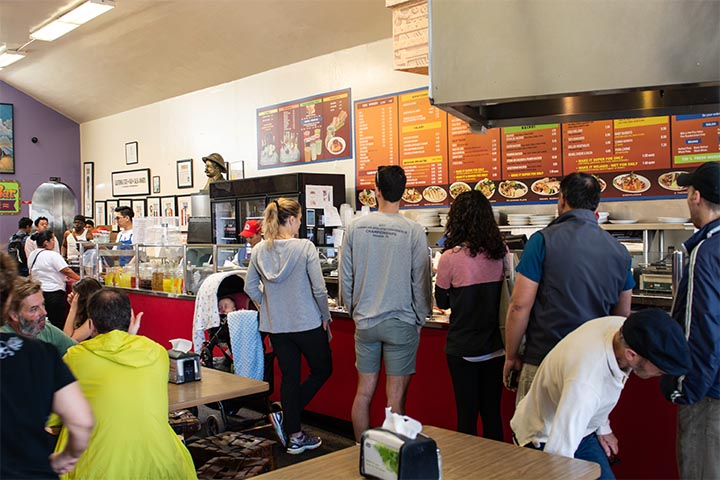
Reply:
x=232, y=202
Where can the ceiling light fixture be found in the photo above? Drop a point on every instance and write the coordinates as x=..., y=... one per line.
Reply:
x=69, y=21
x=8, y=57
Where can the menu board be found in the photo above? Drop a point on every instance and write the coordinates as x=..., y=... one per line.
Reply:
x=531, y=151
x=695, y=139
x=312, y=129
x=631, y=158
x=376, y=123
x=641, y=143
x=588, y=146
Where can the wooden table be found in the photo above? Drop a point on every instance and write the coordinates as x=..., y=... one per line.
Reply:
x=214, y=386
x=463, y=457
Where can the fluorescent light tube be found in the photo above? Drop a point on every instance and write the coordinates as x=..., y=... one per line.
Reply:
x=8, y=57
x=71, y=20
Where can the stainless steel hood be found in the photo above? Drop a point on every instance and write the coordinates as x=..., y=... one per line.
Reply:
x=499, y=63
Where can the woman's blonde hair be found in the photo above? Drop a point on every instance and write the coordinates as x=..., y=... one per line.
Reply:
x=277, y=213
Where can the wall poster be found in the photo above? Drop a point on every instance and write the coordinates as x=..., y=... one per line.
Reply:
x=9, y=197
x=7, y=139
x=312, y=129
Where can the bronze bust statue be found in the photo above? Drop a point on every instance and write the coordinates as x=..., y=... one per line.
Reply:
x=214, y=169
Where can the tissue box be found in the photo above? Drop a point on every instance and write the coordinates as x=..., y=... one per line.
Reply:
x=388, y=455
x=184, y=367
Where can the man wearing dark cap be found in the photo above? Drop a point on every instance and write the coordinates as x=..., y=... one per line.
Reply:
x=697, y=309
x=73, y=237
x=579, y=383
x=214, y=168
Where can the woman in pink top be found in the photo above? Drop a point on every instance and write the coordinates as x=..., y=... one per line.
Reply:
x=469, y=277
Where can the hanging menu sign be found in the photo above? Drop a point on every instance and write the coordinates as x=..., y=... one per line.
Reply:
x=695, y=139
x=588, y=146
x=376, y=123
x=313, y=129
x=423, y=148
x=472, y=156
x=641, y=143
x=531, y=151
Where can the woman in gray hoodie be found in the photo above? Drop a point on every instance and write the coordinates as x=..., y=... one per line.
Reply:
x=294, y=311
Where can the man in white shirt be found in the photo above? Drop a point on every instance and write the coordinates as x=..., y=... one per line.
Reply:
x=41, y=224
x=579, y=383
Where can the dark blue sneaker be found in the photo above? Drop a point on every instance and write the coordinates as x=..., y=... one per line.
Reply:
x=276, y=418
x=303, y=442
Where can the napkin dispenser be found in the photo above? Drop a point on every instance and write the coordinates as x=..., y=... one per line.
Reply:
x=184, y=366
x=389, y=455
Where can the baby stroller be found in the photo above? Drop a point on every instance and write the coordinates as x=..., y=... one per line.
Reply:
x=212, y=338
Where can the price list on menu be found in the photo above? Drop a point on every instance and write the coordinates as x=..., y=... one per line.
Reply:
x=472, y=156
x=531, y=151
x=423, y=140
x=588, y=146
x=695, y=139
x=641, y=143
x=376, y=133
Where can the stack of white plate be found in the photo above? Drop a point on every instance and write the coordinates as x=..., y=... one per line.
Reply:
x=428, y=218
x=496, y=215
x=603, y=217
x=518, y=219
x=541, y=220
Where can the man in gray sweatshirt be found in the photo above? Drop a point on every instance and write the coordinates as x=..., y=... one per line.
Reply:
x=385, y=278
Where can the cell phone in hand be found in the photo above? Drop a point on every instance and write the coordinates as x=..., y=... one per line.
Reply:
x=513, y=379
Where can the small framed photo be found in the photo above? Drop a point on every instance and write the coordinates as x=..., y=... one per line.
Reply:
x=156, y=184
x=183, y=206
x=185, y=173
x=125, y=202
x=100, y=215
x=110, y=206
x=138, y=206
x=168, y=206
x=153, y=207
x=131, y=153
x=88, y=188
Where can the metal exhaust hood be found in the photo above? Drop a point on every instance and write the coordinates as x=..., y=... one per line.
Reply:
x=497, y=63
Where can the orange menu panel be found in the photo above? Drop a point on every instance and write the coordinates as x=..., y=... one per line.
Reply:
x=641, y=144
x=695, y=139
x=531, y=151
x=376, y=133
x=473, y=156
x=423, y=140
x=587, y=146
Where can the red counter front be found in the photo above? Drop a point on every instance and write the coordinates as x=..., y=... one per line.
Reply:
x=643, y=421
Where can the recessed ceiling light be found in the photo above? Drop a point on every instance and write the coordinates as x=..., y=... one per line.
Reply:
x=8, y=57
x=68, y=22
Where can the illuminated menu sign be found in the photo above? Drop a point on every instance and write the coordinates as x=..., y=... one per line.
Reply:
x=695, y=139
x=642, y=143
x=531, y=151
x=472, y=156
x=588, y=146
x=423, y=140
x=376, y=123
x=313, y=129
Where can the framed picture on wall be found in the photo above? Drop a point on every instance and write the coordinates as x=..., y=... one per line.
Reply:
x=125, y=202
x=183, y=207
x=7, y=139
x=156, y=184
x=131, y=183
x=185, y=173
x=131, y=153
x=110, y=206
x=88, y=188
x=138, y=206
x=168, y=206
x=100, y=215
x=153, y=207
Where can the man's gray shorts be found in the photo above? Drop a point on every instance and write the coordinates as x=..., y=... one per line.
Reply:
x=394, y=341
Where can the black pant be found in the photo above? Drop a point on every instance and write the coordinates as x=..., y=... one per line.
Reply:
x=56, y=307
x=478, y=388
x=314, y=346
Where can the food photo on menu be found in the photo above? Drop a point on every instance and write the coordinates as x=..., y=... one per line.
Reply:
x=668, y=181
x=434, y=194
x=546, y=186
x=412, y=195
x=631, y=183
x=486, y=186
x=457, y=188
x=367, y=198
x=335, y=143
x=512, y=189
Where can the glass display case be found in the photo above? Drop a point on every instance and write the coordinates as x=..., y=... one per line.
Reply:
x=172, y=269
x=225, y=228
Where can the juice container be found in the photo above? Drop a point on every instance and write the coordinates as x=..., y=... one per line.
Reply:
x=109, y=277
x=167, y=284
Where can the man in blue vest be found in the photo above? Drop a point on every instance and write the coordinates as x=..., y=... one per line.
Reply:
x=570, y=272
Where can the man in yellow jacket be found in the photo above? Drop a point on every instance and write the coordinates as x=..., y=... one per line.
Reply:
x=124, y=377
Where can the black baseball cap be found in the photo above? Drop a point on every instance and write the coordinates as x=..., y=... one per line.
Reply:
x=654, y=335
x=706, y=180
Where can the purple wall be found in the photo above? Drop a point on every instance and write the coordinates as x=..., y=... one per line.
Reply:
x=57, y=153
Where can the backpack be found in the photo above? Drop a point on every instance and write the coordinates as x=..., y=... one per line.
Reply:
x=16, y=249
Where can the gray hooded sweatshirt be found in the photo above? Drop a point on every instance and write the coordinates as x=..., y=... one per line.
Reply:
x=293, y=297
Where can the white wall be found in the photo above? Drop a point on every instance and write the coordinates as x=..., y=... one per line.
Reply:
x=223, y=119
